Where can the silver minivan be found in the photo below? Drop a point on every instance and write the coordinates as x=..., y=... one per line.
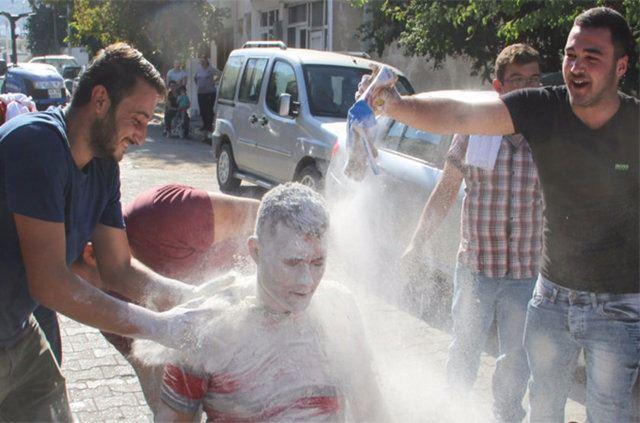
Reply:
x=280, y=111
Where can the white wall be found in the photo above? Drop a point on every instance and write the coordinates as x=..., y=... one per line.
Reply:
x=455, y=73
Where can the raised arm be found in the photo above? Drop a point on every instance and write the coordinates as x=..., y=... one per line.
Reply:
x=449, y=112
x=442, y=112
x=129, y=277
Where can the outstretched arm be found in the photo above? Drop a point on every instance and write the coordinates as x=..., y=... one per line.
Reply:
x=129, y=277
x=449, y=112
x=52, y=284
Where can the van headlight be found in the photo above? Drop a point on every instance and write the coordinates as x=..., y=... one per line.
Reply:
x=45, y=85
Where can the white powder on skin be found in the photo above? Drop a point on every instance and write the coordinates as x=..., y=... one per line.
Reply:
x=294, y=348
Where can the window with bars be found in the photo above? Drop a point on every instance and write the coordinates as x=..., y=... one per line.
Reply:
x=298, y=14
x=268, y=18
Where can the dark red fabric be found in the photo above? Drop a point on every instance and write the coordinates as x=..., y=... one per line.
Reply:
x=184, y=384
x=3, y=112
x=170, y=229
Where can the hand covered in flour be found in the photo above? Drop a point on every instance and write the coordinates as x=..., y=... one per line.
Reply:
x=381, y=97
x=178, y=327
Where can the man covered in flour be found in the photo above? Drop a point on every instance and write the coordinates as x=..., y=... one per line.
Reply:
x=273, y=353
x=500, y=244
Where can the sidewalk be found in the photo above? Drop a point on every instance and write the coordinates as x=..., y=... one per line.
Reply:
x=102, y=386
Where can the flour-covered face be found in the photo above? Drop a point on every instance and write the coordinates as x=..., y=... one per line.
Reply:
x=290, y=267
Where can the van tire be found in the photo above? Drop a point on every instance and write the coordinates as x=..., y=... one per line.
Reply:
x=311, y=177
x=225, y=168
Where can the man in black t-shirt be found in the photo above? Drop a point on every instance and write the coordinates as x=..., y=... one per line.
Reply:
x=584, y=138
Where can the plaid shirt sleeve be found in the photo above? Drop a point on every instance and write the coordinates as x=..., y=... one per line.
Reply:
x=457, y=151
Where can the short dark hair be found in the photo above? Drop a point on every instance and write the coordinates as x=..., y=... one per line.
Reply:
x=118, y=68
x=605, y=17
x=520, y=54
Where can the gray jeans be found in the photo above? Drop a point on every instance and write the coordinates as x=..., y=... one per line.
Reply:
x=31, y=385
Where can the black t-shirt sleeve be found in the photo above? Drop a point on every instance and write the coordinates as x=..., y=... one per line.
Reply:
x=530, y=110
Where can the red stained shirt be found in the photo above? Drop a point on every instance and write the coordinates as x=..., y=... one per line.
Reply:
x=501, y=233
x=264, y=367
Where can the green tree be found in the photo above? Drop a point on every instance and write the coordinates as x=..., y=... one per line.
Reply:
x=479, y=29
x=47, y=26
x=162, y=29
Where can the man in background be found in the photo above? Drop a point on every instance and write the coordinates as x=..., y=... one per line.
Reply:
x=206, y=79
x=177, y=75
x=584, y=140
x=500, y=245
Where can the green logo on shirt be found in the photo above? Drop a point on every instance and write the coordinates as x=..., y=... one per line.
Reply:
x=622, y=167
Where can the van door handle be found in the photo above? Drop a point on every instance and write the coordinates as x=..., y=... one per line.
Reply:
x=263, y=121
x=253, y=119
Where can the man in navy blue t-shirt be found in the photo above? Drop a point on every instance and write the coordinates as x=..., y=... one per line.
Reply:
x=59, y=188
x=584, y=139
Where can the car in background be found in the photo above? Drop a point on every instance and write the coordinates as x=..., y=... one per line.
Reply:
x=67, y=66
x=41, y=82
x=279, y=112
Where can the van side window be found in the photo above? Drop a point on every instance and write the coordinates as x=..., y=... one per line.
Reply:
x=230, y=78
x=252, y=80
x=427, y=146
x=432, y=148
x=282, y=81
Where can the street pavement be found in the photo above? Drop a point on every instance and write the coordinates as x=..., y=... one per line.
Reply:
x=409, y=354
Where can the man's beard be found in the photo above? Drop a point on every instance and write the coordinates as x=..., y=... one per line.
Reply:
x=102, y=134
x=593, y=99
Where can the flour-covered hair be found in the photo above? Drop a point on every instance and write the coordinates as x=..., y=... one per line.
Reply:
x=295, y=206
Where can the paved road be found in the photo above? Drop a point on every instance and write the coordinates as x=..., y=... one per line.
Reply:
x=409, y=353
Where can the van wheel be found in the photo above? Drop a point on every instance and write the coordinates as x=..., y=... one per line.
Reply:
x=225, y=168
x=311, y=177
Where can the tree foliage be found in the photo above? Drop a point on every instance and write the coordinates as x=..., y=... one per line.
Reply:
x=479, y=29
x=47, y=26
x=162, y=29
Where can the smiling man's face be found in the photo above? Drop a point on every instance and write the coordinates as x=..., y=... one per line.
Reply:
x=112, y=135
x=590, y=67
x=290, y=267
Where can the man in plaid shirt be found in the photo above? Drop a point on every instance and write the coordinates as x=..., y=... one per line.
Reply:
x=500, y=247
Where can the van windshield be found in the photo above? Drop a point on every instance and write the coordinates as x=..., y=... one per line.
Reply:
x=331, y=89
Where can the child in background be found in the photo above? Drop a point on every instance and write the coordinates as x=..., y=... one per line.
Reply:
x=183, y=110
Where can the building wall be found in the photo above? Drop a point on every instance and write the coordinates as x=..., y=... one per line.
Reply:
x=346, y=21
x=455, y=73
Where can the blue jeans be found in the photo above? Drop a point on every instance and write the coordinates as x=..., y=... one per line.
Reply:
x=561, y=322
x=476, y=301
